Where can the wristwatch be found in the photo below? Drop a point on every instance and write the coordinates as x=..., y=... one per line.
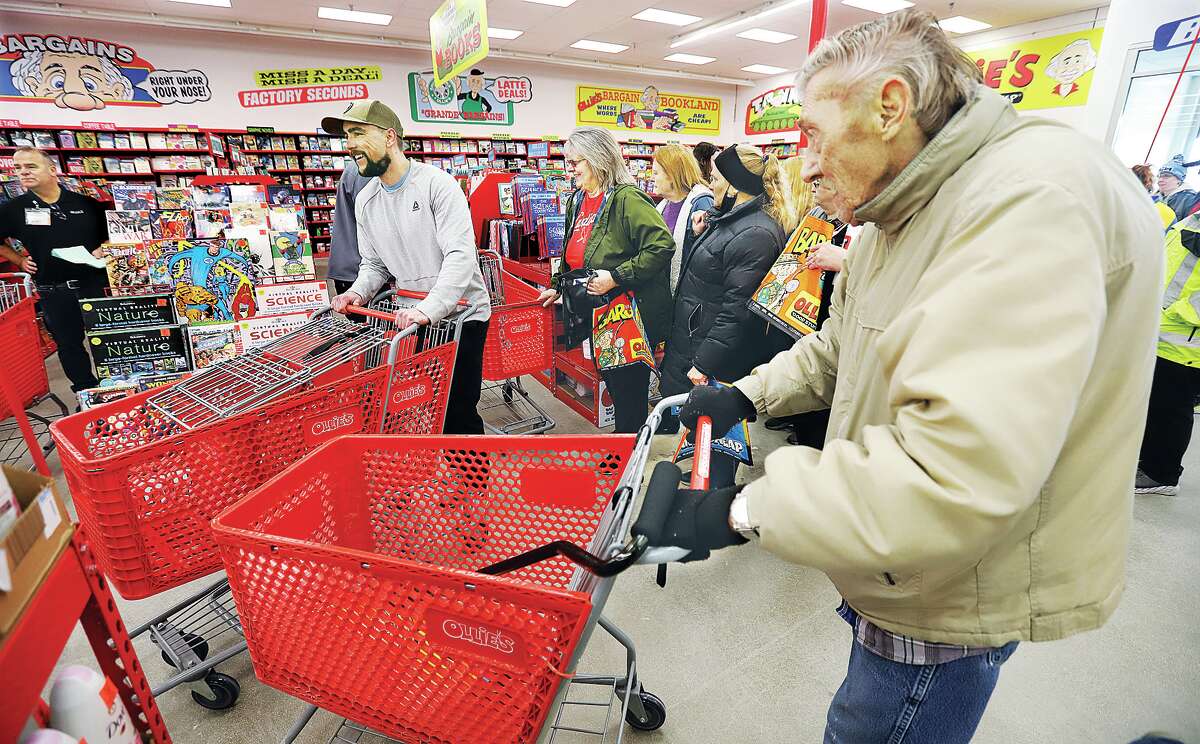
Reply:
x=739, y=517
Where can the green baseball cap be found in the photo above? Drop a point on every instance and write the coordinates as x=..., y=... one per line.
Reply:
x=364, y=112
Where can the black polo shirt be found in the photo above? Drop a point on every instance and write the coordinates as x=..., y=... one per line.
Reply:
x=75, y=219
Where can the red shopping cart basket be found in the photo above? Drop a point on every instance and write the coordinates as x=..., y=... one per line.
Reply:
x=520, y=335
x=147, y=485
x=353, y=572
x=24, y=365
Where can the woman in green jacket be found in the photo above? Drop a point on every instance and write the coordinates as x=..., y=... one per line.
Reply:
x=614, y=229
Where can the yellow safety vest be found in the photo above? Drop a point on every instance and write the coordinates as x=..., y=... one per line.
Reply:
x=1179, y=331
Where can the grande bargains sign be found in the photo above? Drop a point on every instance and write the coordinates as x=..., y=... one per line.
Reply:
x=293, y=297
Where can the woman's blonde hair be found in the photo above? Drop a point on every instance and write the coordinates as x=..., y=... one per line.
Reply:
x=680, y=166
x=602, y=153
x=800, y=193
x=775, y=187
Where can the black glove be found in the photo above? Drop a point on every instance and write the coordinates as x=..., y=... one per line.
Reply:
x=699, y=521
x=725, y=406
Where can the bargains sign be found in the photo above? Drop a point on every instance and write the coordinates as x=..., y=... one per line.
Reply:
x=1054, y=72
x=626, y=108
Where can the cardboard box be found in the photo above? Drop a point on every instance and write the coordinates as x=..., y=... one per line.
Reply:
x=29, y=551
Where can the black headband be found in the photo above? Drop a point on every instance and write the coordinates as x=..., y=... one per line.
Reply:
x=729, y=163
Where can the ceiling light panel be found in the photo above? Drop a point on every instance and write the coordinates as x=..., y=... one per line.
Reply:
x=963, y=25
x=690, y=59
x=665, y=16
x=762, y=34
x=353, y=16
x=213, y=3
x=599, y=46
x=555, y=3
x=878, y=6
x=770, y=8
x=495, y=32
x=764, y=69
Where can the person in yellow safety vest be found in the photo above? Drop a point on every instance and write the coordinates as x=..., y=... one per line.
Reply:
x=1177, y=368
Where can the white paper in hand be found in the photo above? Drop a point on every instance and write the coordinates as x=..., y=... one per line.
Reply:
x=79, y=255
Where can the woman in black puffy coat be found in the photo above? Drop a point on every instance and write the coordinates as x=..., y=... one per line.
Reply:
x=714, y=334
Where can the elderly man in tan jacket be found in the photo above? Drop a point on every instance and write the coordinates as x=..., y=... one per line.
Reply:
x=987, y=360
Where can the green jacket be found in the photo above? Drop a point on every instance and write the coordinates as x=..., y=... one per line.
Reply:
x=631, y=240
x=1178, y=340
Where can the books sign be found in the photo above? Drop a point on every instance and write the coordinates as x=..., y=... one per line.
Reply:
x=457, y=37
x=647, y=109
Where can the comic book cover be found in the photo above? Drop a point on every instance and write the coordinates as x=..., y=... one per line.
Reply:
x=292, y=254
x=171, y=224
x=789, y=296
x=128, y=226
x=264, y=329
x=618, y=336
x=213, y=342
x=286, y=218
x=247, y=193
x=98, y=396
x=128, y=271
x=160, y=379
x=282, y=195
x=248, y=215
x=171, y=197
x=209, y=281
x=210, y=197
x=255, y=246
x=133, y=197
x=212, y=223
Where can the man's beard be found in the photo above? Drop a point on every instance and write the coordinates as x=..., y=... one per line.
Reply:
x=375, y=167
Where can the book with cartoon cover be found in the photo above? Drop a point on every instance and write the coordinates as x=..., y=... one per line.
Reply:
x=128, y=226
x=171, y=224
x=282, y=195
x=243, y=193
x=255, y=246
x=618, y=335
x=128, y=270
x=212, y=223
x=248, y=216
x=209, y=281
x=133, y=197
x=292, y=254
x=210, y=197
x=172, y=197
x=789, y=296
x=213, y=342
x=286, y=218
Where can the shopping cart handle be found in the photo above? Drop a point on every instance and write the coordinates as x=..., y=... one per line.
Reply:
x=327, y=345
x=370, y=312
x=657, y=505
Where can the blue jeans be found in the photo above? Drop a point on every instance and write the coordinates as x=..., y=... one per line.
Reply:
x=886, y=702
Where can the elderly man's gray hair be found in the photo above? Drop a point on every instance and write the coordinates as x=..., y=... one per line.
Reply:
x=601, y=151
x=908, y=45
x=29, y=65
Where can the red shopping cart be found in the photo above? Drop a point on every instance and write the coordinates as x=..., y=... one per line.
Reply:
x=519, y=342
x=148, y=473
x=25, y=376
x=355, y=574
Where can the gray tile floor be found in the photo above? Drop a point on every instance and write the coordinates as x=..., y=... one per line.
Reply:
x=746, y=648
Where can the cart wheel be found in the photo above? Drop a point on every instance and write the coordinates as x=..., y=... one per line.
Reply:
x=225, y=690
x=656, y=713
x=199, y=647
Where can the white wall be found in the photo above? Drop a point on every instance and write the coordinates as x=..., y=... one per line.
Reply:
x=231, y=59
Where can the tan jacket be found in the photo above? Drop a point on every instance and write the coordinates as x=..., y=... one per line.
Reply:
x=987, y=360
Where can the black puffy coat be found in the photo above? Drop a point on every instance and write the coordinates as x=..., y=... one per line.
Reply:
x=712, y=328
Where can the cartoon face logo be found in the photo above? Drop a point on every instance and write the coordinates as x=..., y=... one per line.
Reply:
x=650, y=98
x=83, y=82
x=476, y=82
x=1073, y=62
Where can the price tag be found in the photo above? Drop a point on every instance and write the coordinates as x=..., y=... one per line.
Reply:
x=550, y=138
x=450, y=135
x=501, y=136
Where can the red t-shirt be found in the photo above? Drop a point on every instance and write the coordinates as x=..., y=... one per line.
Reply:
x=581, y=230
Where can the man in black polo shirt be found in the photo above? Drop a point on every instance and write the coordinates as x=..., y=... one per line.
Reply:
x=46, y=217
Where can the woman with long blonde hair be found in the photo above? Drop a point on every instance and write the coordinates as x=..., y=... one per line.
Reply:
x=678, y=180
x=714, y=335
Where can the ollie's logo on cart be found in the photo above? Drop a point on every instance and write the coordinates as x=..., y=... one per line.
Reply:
x=412, y=393
x=331, y=424
x=471, y=635
x=519, y=329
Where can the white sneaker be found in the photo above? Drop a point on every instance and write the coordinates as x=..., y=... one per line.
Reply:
x=1145, y=485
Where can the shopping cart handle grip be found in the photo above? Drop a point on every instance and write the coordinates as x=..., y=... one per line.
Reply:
x=571, y=551
x=327, y=345
x=370, y=312
x=658, y=502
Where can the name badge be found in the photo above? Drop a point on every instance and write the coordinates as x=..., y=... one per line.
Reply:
x=37, y=216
